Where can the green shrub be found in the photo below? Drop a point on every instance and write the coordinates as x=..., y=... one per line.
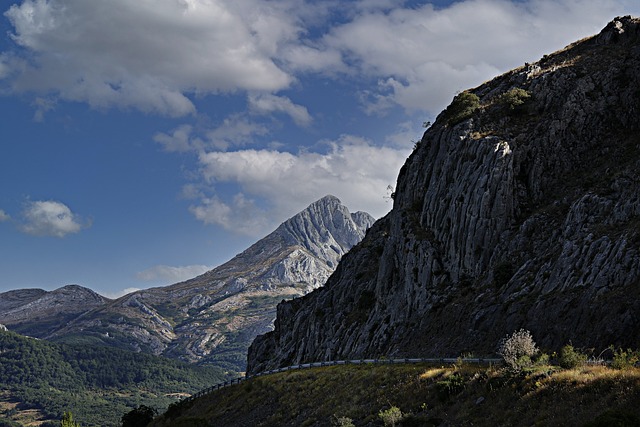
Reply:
x=571, y=358
x=625, y=359
x=514, y=98
x=450, y=386
x=542, y=359
x=342, y=421
x=391, y=416
x=67, y=420
x=461, y=108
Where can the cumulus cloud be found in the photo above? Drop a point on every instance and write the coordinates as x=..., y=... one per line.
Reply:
x=171, y=274
x=162, y=51
x=276, y=184
x=425, y=54
x=241, y=214
x=50, y=218
x=235, y=130
x=179, y=140
x=268, y=103
x=4, y=216
x=165, y=52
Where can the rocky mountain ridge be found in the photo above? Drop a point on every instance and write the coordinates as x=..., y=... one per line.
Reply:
x=215, y=316
x=20, y=308
x=519, y=208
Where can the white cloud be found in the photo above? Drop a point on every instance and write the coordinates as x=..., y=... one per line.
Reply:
x=275, y=185
x=314, y=58
x=4, y=216
x=268, y=103
x=178, y=141
x=424, y=55
x=171, y=274
x=50, y=218
x=162, y=51
x=42, y=106
x=165, y=52
x=118, y=294
x=406, y=135
x=241, y=215
x=235, y=130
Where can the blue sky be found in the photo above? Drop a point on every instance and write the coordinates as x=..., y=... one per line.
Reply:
x=144, y=142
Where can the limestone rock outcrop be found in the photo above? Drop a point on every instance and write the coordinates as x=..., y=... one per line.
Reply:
x=519, y=208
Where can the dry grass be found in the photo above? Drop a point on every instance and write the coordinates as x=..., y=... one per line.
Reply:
x=457, y=395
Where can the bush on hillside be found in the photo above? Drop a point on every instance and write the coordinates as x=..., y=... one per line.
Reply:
x=514, y=98
x=571, y=358
x=517, y=350
x=450, y=386
x=342, y=421
x=625, y=359
x=391, y=416
x=461, y=108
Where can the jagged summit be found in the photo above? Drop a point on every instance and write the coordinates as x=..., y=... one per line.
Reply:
x=214, y=317
x=519, y=208
x=326, y=229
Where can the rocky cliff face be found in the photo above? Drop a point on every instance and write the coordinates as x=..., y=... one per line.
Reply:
x=519, y=208
x=214, y=317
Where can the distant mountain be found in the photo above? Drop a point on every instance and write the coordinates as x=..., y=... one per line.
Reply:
x=215, y=316
x=519, y=208
x=38, y=313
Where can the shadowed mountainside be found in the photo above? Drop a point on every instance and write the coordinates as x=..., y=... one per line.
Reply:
x=519, y=208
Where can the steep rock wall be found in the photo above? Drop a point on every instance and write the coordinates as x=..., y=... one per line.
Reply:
x=524, y=214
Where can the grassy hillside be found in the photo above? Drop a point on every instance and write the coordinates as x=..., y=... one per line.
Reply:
x=426, y=395
x=40, y=380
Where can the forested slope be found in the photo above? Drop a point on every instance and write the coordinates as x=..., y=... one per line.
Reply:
x=40, y=380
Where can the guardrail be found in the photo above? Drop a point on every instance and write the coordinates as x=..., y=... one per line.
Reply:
x=444, y=360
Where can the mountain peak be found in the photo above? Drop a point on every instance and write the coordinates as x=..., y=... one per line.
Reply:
x=212, y=317
x=329, y=199
x=326, y=228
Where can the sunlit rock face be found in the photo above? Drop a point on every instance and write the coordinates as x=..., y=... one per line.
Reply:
x=212, y=318
x=523, y=211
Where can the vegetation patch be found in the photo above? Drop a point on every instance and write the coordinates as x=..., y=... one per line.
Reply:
x=42, y=380
x=461, y=108
x=366, y=395
x=514, y=98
